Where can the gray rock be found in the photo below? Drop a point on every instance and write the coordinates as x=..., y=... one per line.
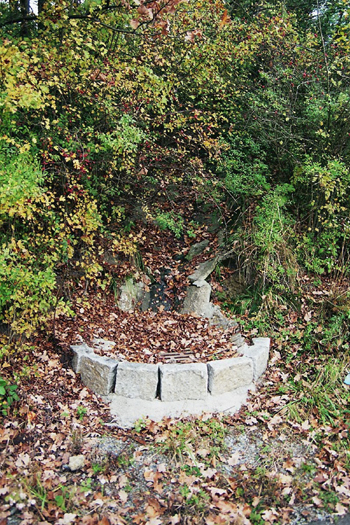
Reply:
x=109, y=258
x=197, y=298
x=204, y=269
x=146, y=301
x=103, y=344
x=183, y=381
x=219, y=319
x=345, y=520
x=78, y=352
x=76, y=462
x=137, y=380
x=228, y=374
x=259, y=354
x=196, y=249
x=237, y=340
x=98, y=373
x=130, y=294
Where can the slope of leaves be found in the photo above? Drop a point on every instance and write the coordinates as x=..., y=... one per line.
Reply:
x=283, y=458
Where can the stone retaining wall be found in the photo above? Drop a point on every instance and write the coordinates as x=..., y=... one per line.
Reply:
x=171, y=382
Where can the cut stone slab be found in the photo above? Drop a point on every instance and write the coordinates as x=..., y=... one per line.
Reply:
x=103, y=344
x=183, y=381
x=78, y=352
x=203, y=270
x=197, y=298
x=228, y=374
x=126, y=411
x=237, y=340
x=98, y=373
x=259, y=354
x=137, y=380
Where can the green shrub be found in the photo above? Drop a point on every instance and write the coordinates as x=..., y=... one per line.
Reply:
x=7, y=395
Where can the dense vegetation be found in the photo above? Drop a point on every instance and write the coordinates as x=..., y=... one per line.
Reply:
x=111, y=113
x=130, y=128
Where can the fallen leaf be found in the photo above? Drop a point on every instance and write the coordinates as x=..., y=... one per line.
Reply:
x=67, y=519
x=104, y=521
x=317, y=501
x=341, y=510
x=23, y=460
x=123, y=496
x=234, y=459
x=285, y=479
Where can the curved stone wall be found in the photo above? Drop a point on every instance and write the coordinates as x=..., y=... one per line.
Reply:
x=171, y=382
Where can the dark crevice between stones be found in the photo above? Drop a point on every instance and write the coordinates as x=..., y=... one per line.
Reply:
x=158, y=385
x=114, y=380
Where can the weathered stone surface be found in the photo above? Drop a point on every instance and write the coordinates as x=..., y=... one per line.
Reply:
x=217, y=318
x=103, y=344
x=185, y=381
x=137, y=380
x=110, y=258
x=76, y=462
x=196, y=249
x=197, y=299
x=126, y=411
x=237, y=340
x=98, y=373
x=146, y=301
x=259, y=354
x=130, y=294
x=203, y=270
x=78, y=351
x=228, y=374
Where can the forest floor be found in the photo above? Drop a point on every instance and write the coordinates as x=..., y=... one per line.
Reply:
x=284, y=458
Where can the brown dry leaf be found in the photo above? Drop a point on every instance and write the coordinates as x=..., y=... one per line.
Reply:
x=123, y=496
x=234, y=459
x=341, y=510
x=285, y=479
x=67, y=519
x=321, y=477
x=203, y=452
x=122, y=480
x=149, y=475
x=104, y=521
x=317, y=501
x=154, y=508
x=226, y=507
x=305, y=425
x=270, y=515
x=23, y=461
x=251, y=421
x=208, y=473
x=154, y=521
x=276, y=420
x=215, y=491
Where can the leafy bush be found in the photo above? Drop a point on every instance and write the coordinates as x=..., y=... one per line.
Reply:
x=7, y=395
x=325, y=214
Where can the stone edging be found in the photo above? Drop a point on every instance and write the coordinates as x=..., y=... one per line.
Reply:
x=171, y=382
